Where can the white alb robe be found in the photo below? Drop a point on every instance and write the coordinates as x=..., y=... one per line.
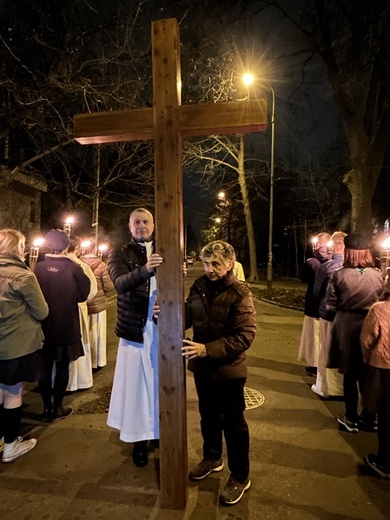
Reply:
x=329, y=381
x=309, y=345
x=98, y=338
x=134, y=405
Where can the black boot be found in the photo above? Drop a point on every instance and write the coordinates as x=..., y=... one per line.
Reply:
x=61, y=413
x=140, y=453
x=46, y=391
x=155, y=443
x=48, y=413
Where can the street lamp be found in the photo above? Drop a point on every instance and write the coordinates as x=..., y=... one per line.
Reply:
x=248, y=80
x=271, y=194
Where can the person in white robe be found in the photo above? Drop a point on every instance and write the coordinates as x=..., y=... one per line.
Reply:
x=134, y=406
x=329, y=381
x=80, y=371
x=309, y=344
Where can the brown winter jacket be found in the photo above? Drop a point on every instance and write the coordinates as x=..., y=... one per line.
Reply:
x=223, y=319
x=104, y=284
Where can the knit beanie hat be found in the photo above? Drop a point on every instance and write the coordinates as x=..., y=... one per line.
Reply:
x=357, y=241
x=56, y=240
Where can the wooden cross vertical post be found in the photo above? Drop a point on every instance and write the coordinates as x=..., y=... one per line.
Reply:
x=167, y=123
x=169, y=233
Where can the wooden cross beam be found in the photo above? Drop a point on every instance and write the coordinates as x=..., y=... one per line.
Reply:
x=167, y=122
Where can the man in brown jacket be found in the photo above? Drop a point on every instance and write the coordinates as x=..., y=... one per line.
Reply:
x=220, y=310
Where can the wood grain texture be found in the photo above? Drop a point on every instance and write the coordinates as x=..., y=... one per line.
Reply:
x=169, y=226
x=232, y=117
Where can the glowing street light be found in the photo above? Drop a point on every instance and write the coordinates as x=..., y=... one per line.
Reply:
x=248, y=80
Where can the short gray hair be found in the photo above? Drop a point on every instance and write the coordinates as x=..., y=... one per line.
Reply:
x=219, y=248
x=141, y=210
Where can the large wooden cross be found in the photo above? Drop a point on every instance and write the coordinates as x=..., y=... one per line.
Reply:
x=167, y=122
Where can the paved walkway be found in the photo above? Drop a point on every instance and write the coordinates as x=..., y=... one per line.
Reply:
x=302, y=466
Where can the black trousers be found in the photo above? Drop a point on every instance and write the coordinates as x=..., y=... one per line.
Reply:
x=60, y=382
x=384, y=439
x=354, y=380
x=221, y=407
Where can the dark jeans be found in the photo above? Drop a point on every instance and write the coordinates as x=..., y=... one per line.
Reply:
x=221, y=407
x=353, y=384
x=384, y=439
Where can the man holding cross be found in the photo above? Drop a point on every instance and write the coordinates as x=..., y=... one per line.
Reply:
x=166, y=123
x=134, y=399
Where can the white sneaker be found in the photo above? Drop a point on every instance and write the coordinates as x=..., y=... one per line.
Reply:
x=318, y=392
x=1, y=444
x=18, y=448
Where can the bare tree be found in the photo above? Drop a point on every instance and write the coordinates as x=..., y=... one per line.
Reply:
x=352, y=38
x=221, y=161
x=84, y=60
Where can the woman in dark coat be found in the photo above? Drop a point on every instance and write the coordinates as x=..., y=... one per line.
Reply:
x=64, y=286
x=350, y=293
x=220, y=310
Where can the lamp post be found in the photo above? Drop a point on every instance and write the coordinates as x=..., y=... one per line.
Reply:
x=248, y=79
x=271, y=194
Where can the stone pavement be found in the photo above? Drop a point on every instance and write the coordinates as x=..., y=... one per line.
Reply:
x=302, y=466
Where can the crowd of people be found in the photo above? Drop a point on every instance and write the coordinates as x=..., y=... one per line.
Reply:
x=345, y=338
x=63, y=302
x=53, y=330
x=48, y=329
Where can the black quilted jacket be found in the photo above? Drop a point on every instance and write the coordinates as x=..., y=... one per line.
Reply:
x=126, y=265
